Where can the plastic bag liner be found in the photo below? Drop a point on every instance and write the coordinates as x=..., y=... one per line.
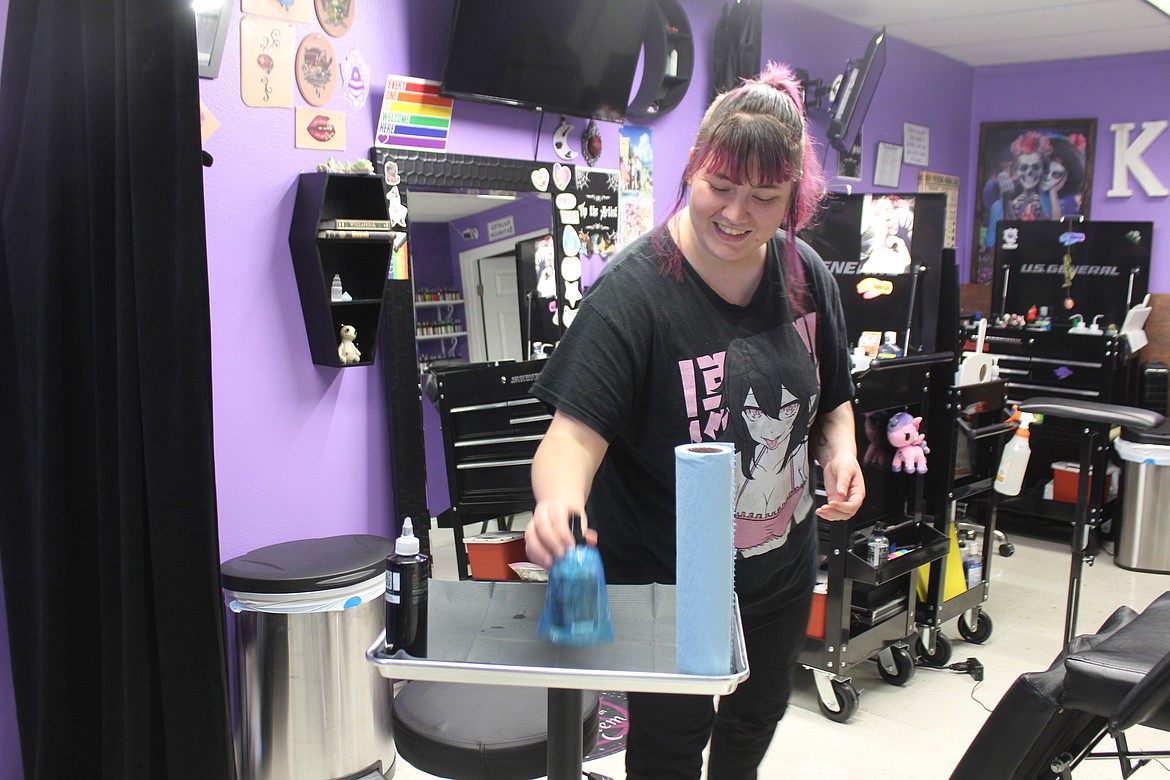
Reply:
x=332, y=600
x=576, y=606
x=1134, y=452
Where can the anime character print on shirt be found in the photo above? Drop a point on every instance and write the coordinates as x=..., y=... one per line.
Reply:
x=763, y=401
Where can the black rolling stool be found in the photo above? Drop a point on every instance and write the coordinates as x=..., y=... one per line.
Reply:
x=480, y=732
x=1098, y=419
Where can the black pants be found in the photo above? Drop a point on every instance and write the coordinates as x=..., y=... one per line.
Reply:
x=669, y=731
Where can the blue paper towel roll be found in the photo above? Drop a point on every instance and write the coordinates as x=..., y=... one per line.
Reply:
x=705, y=556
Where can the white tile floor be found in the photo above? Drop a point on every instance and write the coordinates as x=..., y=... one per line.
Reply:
x=920, y=730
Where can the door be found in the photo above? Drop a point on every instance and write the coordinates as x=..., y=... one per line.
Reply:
x=501, y=308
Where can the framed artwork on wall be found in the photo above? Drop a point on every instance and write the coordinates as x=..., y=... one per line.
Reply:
x=1030, y=171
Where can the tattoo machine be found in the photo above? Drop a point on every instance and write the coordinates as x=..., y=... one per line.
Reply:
x=576, y=607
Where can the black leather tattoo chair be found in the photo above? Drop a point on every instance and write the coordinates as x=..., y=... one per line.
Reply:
x=1099, y=687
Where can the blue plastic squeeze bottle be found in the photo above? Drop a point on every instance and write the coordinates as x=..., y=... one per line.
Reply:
x=576, y=607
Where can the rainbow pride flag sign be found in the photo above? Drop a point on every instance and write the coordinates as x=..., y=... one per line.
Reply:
x=414, y=115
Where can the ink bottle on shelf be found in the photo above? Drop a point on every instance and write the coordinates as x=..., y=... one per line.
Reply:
x=889, y=347
x=406, y=595
x=877, y=547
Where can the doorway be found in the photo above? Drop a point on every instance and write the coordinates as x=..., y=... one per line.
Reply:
x=479, y=320
x=501, y=308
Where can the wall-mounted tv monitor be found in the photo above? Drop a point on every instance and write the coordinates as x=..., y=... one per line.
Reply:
x=575, y=57
x=858, y=83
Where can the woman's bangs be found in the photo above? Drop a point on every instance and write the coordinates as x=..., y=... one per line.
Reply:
x=748, y=152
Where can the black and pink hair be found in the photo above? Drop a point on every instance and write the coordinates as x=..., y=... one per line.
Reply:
x=758, y=132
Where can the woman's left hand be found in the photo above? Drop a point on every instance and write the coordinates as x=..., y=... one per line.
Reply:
x=844, y=488
x=835, y=448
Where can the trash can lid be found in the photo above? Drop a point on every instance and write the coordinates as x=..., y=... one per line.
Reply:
x=1159, y=435
x=308, y=564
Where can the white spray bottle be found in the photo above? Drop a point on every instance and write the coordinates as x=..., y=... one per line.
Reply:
x=1014, y=461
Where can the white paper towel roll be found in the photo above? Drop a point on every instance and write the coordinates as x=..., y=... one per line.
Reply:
x=976, y=368
x=705, y=556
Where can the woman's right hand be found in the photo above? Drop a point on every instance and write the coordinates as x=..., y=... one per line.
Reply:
x=562, y=473
x=548, y=535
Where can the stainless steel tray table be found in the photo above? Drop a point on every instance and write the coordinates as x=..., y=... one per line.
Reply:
x=485, y=633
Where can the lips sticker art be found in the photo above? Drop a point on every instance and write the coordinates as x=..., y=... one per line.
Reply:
x=320, y=129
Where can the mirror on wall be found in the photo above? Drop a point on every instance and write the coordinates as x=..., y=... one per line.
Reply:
x=465, y=216
x=465, y=250
x=464, y=212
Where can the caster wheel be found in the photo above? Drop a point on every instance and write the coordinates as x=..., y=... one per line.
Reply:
x=900, y=670
x=981, y=631
x=942, y=652
x=848, y=700
x=1007, y=549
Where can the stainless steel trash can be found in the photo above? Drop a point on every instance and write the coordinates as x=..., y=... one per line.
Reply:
x=306, y=703
x=1143, y=542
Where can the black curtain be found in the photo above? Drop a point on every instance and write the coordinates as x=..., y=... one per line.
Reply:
x=107, y=501
x=737, y=45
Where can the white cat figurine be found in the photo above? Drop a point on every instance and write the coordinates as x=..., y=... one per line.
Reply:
x=347, y=351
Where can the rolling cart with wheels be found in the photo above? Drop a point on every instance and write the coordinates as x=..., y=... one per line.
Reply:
x=869, y=611
x=975, y=441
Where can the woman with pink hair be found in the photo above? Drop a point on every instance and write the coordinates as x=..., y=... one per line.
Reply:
x=723, y=288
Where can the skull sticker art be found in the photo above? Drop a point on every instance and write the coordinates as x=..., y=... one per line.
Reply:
x=315, y=69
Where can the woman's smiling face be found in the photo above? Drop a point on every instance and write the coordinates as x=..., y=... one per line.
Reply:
x=732, y=222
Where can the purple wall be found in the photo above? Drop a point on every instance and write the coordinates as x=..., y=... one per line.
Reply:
x=430, y=250
x=1131, y=89
x=916, y=86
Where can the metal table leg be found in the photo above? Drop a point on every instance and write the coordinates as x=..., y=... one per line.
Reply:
x=565, y=743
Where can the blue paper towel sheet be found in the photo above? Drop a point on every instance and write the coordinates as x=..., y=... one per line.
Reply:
x=705, y=556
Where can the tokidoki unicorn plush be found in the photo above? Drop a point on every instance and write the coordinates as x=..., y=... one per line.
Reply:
x=902, y=433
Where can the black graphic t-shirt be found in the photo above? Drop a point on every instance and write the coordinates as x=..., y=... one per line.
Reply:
x=652, y=362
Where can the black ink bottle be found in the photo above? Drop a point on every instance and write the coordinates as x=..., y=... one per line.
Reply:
x=406, y=595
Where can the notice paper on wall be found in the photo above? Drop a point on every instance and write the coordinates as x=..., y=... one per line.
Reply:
x=887, y=170
x=705, y=556
x=949, y=186
x=916, y=140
